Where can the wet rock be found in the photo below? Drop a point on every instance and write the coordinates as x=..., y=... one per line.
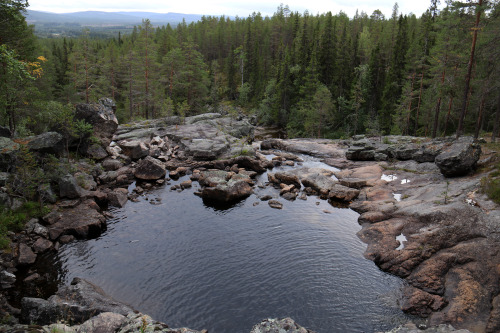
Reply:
x=458, y=158
x=412, y=328
x=178, y=172
x=317, y=181
x=76, y=303
x=266, y=197
x=83, y=221
x=134, y=149
x=342, y=193
x=66, y=239
x=118, y=197
x=286, y=178
x=102, y=118
x=420, y=303
x=275, y=204
x=286, y=188
x=26, y=255
x=247, y=162
x=290, y=196
x=372, y=217
x=186, y=184
x=353, y=182
x=230, y=191
x=150, y=169
x=286, y=325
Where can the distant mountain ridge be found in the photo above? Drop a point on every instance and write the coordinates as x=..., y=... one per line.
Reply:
x=107, y=19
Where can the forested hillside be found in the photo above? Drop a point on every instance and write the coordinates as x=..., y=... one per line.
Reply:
x=325, y=75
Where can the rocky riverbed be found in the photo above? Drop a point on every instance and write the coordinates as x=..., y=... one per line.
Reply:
x=422, y=216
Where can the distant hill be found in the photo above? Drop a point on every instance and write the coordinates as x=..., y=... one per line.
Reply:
x=95, y=18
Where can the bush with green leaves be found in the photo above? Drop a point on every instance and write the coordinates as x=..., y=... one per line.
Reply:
x=14, y=220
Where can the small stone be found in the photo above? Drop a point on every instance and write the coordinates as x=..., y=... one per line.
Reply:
x=266, y=197
x=26, y=255
x=186, y=184
x=275, y=204
x=66, y=239
x=42, y=245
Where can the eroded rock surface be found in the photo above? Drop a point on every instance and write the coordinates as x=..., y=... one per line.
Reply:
x=75, y=303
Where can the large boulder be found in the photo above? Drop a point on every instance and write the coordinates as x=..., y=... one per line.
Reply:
x=68, y=188
x=83, y=221
x=75, y=303
x=102, y=118
x=224, y=187
x=8, y=151
x=103, y=323
x=459, y=157
x=135, y=149
x=47, y=143
x=207, y=149
x=150, y=169
x=285, y=325
x=4, y=132
x=26, y=255
x=342, y=193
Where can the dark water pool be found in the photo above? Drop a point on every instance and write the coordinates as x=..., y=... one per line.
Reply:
x=188, y=264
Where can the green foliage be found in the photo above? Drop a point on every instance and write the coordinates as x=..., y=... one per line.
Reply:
x=15, y=220
x=27, y=175
x=370, y=65
x=491, y=183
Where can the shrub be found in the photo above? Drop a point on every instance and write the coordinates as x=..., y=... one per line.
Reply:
x=14, y=220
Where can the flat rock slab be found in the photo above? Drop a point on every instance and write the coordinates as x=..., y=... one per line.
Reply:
x=83, y=221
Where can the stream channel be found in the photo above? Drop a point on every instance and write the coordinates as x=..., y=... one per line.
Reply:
x=225, y=269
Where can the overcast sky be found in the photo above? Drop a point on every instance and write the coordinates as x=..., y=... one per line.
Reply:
x=242, y=8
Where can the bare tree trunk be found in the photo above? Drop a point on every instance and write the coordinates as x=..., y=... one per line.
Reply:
x=407, y=130
x=480, y=117
x=147, y=76
x=419, y=101
x=448, y=116
x=130, y=96
x=86, y=74
x=438, y=105
x=113, y=81
x=460, y=128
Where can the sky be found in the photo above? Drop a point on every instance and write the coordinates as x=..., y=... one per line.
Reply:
x=241, y=8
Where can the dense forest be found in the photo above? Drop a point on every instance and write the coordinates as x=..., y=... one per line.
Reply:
x=325, y=75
